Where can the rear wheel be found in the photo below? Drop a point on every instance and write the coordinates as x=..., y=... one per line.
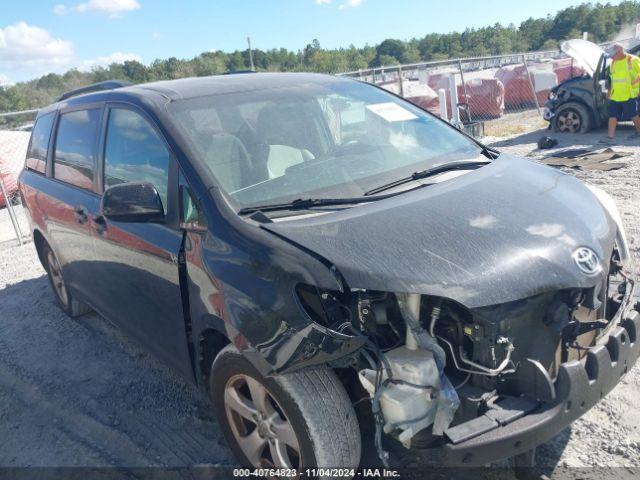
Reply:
x=65, y=299
x=296, y=420
x=572, y=117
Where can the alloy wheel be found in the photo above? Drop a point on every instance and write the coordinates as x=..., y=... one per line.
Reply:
x=569, y=121
x=259, y=424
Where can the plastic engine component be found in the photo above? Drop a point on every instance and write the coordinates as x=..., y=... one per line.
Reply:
x=409, y=408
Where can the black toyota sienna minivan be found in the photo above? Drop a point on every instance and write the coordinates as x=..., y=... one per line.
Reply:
x=296, y=244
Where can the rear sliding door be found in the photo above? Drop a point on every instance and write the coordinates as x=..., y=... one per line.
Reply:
x=69, y=197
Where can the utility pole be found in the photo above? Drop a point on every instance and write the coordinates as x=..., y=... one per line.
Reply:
x=250, y=53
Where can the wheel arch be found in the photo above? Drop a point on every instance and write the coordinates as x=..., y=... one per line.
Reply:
x=211, y=341
x=40, y=241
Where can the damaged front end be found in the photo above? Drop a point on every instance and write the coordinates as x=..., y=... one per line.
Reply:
x=401, y=366
x=486, y=328
x=440, y=374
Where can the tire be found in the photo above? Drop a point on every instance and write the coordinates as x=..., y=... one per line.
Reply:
x=572, y=117
x=312, y=401
x=65, y=300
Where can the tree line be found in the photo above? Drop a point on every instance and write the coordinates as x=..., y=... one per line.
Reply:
x=602, y=21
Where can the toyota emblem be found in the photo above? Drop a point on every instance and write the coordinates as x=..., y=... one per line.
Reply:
x=587, y=261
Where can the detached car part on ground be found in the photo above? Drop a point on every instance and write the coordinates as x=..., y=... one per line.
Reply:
x=580, y=103
x=299, y=243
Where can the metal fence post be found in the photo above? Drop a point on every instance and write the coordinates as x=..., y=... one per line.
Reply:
x=442, y=98
x=464, y=92
x=400, y=86
x=453, y=95
x=533, y=88
x=12, y=214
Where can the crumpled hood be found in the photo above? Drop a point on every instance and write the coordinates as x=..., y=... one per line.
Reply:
x=503, y=232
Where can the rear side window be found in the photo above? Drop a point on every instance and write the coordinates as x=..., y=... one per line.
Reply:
x=37, y=154
x=135, y=153
x=74, y=160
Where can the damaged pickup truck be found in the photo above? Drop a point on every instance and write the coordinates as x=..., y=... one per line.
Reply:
x=297, y=243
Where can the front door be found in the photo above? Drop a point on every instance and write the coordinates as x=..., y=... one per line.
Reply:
x=137, y=263
x=601, y=82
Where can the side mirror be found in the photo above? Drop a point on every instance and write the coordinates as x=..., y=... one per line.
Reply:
x=132, y=202
x=603, y=86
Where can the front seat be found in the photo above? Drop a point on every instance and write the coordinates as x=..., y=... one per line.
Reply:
x=288, y=134
x=229, y=161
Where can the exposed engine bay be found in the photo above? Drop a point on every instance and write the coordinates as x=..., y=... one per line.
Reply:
x=435, y=371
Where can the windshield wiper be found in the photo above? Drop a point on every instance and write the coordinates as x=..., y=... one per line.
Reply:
x=307, y=203
x=430, y=172
x=489, y=152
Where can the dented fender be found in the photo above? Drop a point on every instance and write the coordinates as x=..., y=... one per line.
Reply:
x=241, y=282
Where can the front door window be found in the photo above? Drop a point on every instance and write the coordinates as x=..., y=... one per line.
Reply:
x=135, y=153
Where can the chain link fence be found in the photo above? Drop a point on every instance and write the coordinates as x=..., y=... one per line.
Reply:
x=496, y=90
x=13, y=150
x=486, y=88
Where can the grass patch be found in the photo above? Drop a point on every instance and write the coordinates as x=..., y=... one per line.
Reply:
x=514, y=123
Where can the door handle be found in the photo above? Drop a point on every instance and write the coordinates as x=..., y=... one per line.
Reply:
x=101, y=223
x=80, y=213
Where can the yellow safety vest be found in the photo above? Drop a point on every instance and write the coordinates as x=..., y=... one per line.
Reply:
x=625, y=78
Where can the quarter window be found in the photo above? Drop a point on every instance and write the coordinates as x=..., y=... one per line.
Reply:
x=37, y=154
x=135, y=153
x=191, y=213
x=74, y=160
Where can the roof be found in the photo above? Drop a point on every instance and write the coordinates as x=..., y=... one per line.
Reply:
x=187, y=88
x=224, y=84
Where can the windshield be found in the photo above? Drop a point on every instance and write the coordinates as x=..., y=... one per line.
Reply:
x=322, y=139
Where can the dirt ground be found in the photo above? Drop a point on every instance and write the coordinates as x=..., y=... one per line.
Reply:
x=77, y=392
x=512, y=124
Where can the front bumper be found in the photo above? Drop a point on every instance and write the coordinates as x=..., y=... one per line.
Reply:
x=579, y=386
x=549, y=109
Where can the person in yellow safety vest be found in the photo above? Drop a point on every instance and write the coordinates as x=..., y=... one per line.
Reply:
x=623, y=91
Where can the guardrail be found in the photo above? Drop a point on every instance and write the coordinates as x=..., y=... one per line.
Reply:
x=19, y=113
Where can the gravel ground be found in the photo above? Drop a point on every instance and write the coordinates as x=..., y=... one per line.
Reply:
x=77, y=392
x=7, y=231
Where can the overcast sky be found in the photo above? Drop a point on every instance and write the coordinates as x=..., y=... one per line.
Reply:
x=41, y=36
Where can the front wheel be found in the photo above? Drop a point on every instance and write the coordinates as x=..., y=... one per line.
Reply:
x=572, y=117
x=296, y=420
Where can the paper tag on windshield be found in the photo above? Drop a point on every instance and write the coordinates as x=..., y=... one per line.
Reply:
x=391, y=112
